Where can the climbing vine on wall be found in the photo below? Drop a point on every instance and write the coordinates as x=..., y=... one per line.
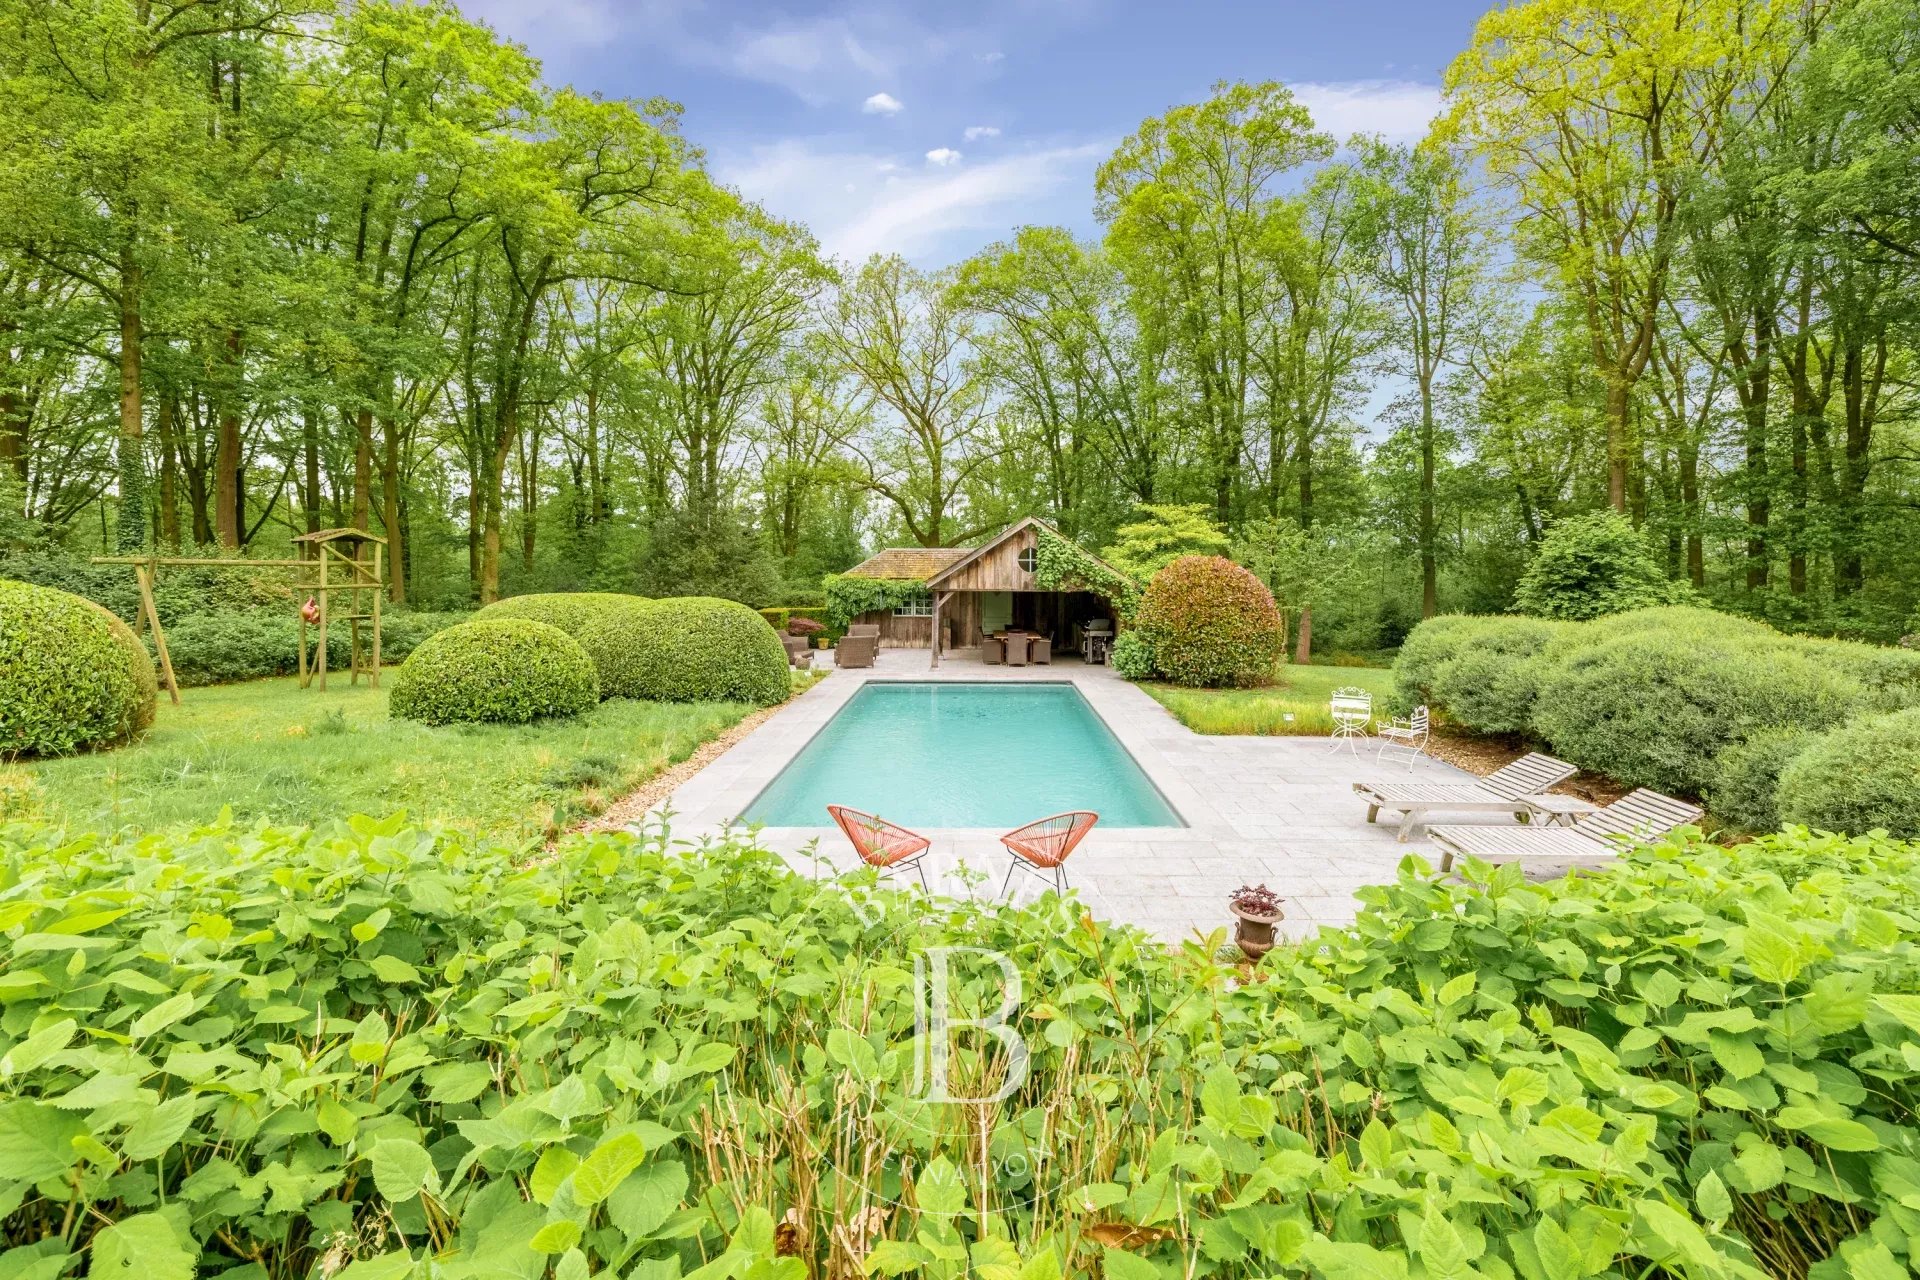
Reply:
x=848, y=597
x=1060, y=565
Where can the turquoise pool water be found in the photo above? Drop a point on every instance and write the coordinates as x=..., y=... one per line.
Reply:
x=951, y=754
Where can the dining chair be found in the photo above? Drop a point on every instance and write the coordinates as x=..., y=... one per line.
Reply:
x=1352, y=711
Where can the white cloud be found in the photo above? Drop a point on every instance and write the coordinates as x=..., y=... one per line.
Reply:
x=978, y=131
x=943, y=156
x=1398, y=110
x=933, y=215
x=992, y=55
x=883, y=104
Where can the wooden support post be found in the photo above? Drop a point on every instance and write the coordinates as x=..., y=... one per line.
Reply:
x=144, y=575
x=379, y=589
x=320, y=652
x=939, y=601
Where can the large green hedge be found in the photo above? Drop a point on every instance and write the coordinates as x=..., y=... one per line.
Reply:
x=1863, y=776
x=72, y=675
x=495, y=670
x=571, y=611
x=1594, y=564
x=680, y=649
x=700, y=649
x=1680, y=698
x=373, y=1051
x=1210, y=623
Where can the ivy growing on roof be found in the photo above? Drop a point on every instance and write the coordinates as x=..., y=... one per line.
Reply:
x=1060, y=565
x=849, y=595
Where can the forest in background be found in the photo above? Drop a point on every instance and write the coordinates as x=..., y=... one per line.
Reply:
x=267, y=267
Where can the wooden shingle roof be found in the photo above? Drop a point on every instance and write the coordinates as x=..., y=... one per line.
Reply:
x=916, y=563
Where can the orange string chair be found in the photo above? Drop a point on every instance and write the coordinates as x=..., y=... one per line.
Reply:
x=1042, y=847
x=881, y=844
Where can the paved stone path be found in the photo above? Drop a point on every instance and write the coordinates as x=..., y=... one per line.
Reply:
x=1279, y=811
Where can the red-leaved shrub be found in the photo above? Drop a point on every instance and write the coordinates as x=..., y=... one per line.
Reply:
x=1211, y=623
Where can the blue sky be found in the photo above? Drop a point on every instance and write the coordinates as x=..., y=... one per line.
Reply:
x=933, y=129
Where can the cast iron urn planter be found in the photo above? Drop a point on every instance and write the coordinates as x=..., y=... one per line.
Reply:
x=1257, y=909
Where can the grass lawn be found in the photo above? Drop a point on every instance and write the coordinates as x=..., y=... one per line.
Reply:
x=270, y=749
x=1301, y=692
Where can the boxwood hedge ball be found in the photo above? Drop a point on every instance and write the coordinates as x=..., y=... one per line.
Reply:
x=72, y=676
x=495, y=670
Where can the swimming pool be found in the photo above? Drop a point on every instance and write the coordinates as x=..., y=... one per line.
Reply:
x=955, y=754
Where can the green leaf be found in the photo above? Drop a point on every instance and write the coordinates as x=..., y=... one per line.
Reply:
x=157, y=1132
x=1118, y=1264
x=393, y=970
x=1352, y=1261
x=642, y=1203
x=402, y=1169
x=145, y=1247
x=388, y=1266
x=555, y=1166
x=37, y=1048
x=556, y=1237
x=1828, y=1130
x=1560, y=1258
x=36, y=1141
x=1442, y=1252
x=1711, y=1198
x=606, y=1168
x=162, y=1015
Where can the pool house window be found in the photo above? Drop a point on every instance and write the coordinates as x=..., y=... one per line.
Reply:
x=920, y=605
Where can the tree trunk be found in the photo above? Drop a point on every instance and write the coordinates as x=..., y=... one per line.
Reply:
x=167, y=421
x=310, y=494
x=229, y=508
x=390, y=511
x=132, y=463
x=13, y=435
x=492, y=500
x=1690, y=501
x=1617, y=408
x=1303, y=643
x=362, y=468
x=1429, y=560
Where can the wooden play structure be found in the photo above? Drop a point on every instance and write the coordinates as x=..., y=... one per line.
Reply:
x=338, y=560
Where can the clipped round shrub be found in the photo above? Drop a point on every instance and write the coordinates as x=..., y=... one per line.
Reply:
x=570, y=611
x=1211, y=623
x=1427, y=648
x=1745, y=789
x=694, y=649
x=495, y=670
x=601, y=621
x=1861, y=777
x=72, y=676
x=1132, y=655
x=1654, y=708
x=1594, y=564
x=1492, y=681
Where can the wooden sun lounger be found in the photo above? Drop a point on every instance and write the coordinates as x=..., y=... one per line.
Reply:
x=1505, y=790
x=1639, y=815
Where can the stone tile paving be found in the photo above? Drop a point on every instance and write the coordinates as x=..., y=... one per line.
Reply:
x=1274, y=810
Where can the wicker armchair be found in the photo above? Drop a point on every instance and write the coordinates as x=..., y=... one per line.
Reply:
x=856, y=651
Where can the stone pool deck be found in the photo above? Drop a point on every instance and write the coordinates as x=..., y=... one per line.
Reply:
x=1278, y=811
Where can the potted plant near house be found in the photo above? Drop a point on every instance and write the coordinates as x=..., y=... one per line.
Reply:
x=1257, y=909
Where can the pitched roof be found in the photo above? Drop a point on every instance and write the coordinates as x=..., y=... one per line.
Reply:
x=918, y=563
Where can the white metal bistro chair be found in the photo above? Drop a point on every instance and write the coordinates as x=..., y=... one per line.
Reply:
x=1352, y=710
x=1409, y=735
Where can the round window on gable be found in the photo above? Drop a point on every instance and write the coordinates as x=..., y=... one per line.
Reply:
x=1029, y=559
